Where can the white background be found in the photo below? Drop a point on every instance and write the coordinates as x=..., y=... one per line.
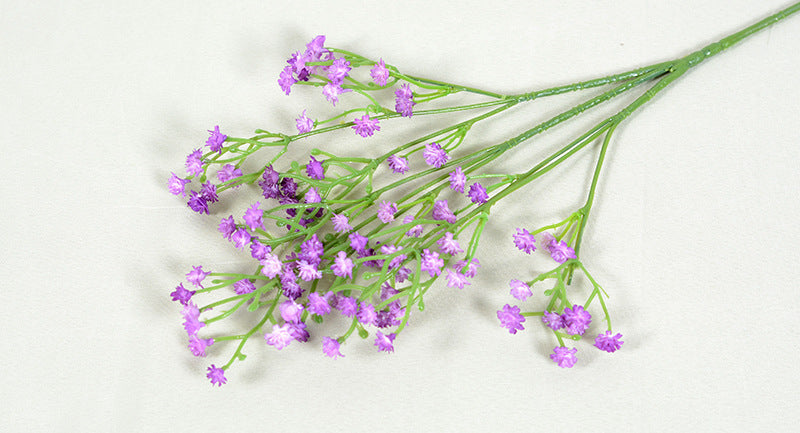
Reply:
x=694, y=233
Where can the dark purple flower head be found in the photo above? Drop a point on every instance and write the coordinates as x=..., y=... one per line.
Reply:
x=346, y=305
x=312, y=250
x=457, y=180
x=314, y=169
x=298, y=331
x=290, y=288
x=181, y=294
x=608, y=343
x=576, y=320
x=227, y=226
x=511, y=318
x=177, y=185
x=564, y=357
x=194, y=163
x=384, y=342
x=402, y=274
x=379, y=73
x=216, y=139
x=271, y=176
x=196, y=276
x=258, y=250
x=209, y=192
x=198, y=345
x=442, y=213
x=434, y=155
x=288, y=187
x=365, y=126
x=331, y=347
x=197, y=203
x=216, y=375
x=228, y=172
x=398, y=164
x=477, y=193
x=524, y=241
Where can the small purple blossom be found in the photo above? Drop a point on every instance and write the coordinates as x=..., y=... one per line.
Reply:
x=365, y=126
x=196, y=276
x=386, y=211
x=194, y=163
x=241, y=238
x=244, y=286
x=379, y=73
x=208, y=191
x=472, y=267
x=314, y=169
x=341, y=224
x=308, y=271
x=286, y=80
x=298, y=331
x=304, y=123
x=332, y=92
x=608, y=343
x=564, y=356
x=258, y=250
x=404, y=101
x=331, y=347
x=289, y=285
x=553, y=321
x=216, y=375
x=319, y=304
x=366, y=314
x=227, y=226
x=431, y=262
x=254, y=217
x=271, y=265
x=576, y=320
x=181, y=294
x=288, y=189
x=216, y=139
x=398, y=164
x=342, y=266
x=397, y=260
x=228, y=172
x=434, y=155
x=520, y=290
x=456, y=279
x=198, y=345
x=415, y=231
x=338, y=70
x=402, y=274
x=191, y=318
x=312, y=196
x=197, y=203
x=280, y=336
x=511, y=318
x=448, y=245
x=346, y=305
x=358, y=242
x=312, y=250
x=384, y=342
x=441, y=212
x=524, y=241
x=457, y=180
x=561, y=252
x=477, y=193
x=177, y=185
x=291, y=311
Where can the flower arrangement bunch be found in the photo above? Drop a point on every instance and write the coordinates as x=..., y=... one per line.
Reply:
x=362, y=239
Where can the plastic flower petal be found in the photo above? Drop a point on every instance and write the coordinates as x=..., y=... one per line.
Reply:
x=564, y=357
x=511, y=318
x=608, y=343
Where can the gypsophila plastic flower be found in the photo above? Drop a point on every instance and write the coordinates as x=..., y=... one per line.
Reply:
x=404, y=101
x=318, y=304
x=227, y=226
x=291, y=311
x=434, y=155
x=244, y=286
x=314, y=169
x=524, y=241
x=456, y=279
x=197, y=275
x=331, y=347
x=254, y=217
x=228, y=172
x=208, y=191
x=271, y=265
x=365, y=126
x=258, y=250
x=564, y=357
x=379, y=73
x=191, y=318
x=338, y=70
x=472, y=267
x=347, y=306
x=342, y=266
x=197, y=203
x=286, y=80
x=384, y=342
x=177, y=185
x=398, y=164
x=431, y=262
x=194, y=163
x=561, y=252
x=198, y=345
x=477, y=193
x=280, y=336
x=386, y=211
x=520, y=290
x=332, y=92
x=511, y=319
x=442, y=212
x=216, y=375
x=366, y=314
x=181, y=294
x=576, y=320
x=341, y=223
x=304, y=123
x=448, y=245
x=416, y=230
x=241, y=238
x=553, y=320
x=457, y=180
x=607, y=342
x=215, y=140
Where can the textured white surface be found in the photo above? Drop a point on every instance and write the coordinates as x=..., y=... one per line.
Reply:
x=693, y=234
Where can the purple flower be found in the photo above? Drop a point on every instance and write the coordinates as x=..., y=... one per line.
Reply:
x=397, y=260
x=177, y=185
x=472, y=267
x=511, y=318
x=304, y=124
x=227, y=226
x=244, y=286
x=547, y=240
x=608, y=343
x=181, y=294
x=520, y=290
x=312, y=196
x=576, y=320
x=197, y=203
x=441, y=212
x=379, y=73
x=216, y=375
x=241, y=238
x=315, y=48
x=524, y=241
x=319, y=304
x=314, y=169
x=431, y=262
x=386, y=211
x=196, y=276
x=332, y=92
x=298, y=331
x=228, y=172
x=288, y=189
x=208, y=191
x=191, y=318
x=552, y=320
x=289, y=285
x=254, y=217
x=398, y=164
x=331, y=347
x=338, y=70
x=404, y=101
x=477, y=193
x=342, y=266
x=280, y=336
x=457, y=180
x=346, y=305
x=312, y=250
x=366, y=314
x=271, y=265
x=561, y=252
x=198, y=345
x=564, y=357
x=384, y=342
x=258, y=250
x=291, y=311
x=358, y=242
x=308, y=271
x=415, y=231
x=402, y=274
x=216, y=139
x=286, y=80
x=341, y=224
x=434, y=155
x=456, y=279
x=194, y=163
x=365, y=126
x=448, y=245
